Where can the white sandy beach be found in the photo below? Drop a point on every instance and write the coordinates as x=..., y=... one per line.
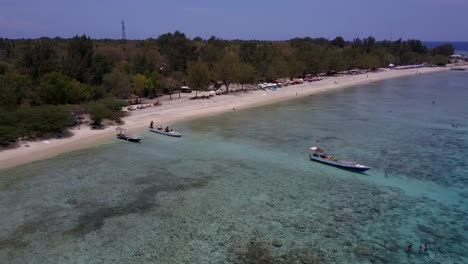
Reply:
x=183, y=109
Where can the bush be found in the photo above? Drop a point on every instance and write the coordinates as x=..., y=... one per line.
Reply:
x=45, y=120
x=40, y=121
x=9, y=135
x=8, y=131
x=440, y=60
x=108, y=108
x=98, y=112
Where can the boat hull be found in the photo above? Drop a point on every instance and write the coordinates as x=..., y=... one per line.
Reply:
x=339, y=165
x=162, y=132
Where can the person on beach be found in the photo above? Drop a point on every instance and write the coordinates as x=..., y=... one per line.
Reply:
x=151, y=124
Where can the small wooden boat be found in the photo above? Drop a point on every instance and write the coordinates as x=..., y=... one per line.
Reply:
x=458, y=69
x=128, y=138
x=122, y=135
x=321, y=156
x=164, y=132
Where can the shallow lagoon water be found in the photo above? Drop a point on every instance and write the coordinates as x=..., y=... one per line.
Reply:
x=239, y=188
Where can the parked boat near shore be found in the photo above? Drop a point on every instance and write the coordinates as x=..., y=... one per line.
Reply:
x=122, y=135
x=164, y=132
x=321, y=156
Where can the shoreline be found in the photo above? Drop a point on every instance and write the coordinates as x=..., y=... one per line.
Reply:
x=183, y=109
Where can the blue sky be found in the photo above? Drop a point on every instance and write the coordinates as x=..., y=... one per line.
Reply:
x=244, y=19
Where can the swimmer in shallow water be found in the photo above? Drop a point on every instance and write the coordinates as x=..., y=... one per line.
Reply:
x=409, y=249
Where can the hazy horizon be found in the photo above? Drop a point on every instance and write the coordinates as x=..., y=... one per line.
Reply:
x=261, y=20
x=206, y=38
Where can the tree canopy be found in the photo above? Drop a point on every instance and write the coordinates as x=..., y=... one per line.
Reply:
x=198, y=75
x=50, y=74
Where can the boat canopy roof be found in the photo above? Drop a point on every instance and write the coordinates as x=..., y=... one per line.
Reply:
x=317, y=149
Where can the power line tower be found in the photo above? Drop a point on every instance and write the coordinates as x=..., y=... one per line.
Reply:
x=124, y=35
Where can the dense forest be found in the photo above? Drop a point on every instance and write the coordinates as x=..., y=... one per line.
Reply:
x=46, y=83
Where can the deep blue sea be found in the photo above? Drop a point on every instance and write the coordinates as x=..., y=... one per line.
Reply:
x=239, y=187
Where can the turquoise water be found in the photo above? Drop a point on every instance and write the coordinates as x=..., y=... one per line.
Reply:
x=239, y=188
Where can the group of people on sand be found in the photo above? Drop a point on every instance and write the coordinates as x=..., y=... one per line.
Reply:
x=167, y=129
x=409, y=249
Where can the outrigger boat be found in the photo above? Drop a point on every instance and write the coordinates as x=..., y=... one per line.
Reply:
x=165, y=132
x=321, y=156
x=122, y=135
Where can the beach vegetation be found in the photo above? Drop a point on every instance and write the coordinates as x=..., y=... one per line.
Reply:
x=443, y=50
x=105, y=109
x=48, y=78
x=198, y=76
x=34, y=122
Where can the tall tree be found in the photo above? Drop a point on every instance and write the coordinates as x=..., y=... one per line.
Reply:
x=169, y=84
x=444, y=50
x=245, y=74
x=225, y=69
x=55, y=88
x=100, y=66
x=79, y=58
x=142, y=64
x=198, y=76
x=338, y=41
x=153, y=85
x=178, y=49
x=138, y=85
x=14, y=89
x=39, y=58
x=118, y=83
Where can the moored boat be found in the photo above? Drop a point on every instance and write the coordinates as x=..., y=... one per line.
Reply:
x=164, y=132
x=458, y=69
x=321, y=156
x=122, y=135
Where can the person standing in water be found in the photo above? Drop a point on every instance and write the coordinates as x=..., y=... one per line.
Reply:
x=409, y=249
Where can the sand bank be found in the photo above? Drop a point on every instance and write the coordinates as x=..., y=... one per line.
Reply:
x=180, y=109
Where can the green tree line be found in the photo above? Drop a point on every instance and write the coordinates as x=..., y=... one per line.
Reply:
x=47, y=76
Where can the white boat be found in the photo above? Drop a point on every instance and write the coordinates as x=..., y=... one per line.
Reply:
x=321, y=156
x=164, y=132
